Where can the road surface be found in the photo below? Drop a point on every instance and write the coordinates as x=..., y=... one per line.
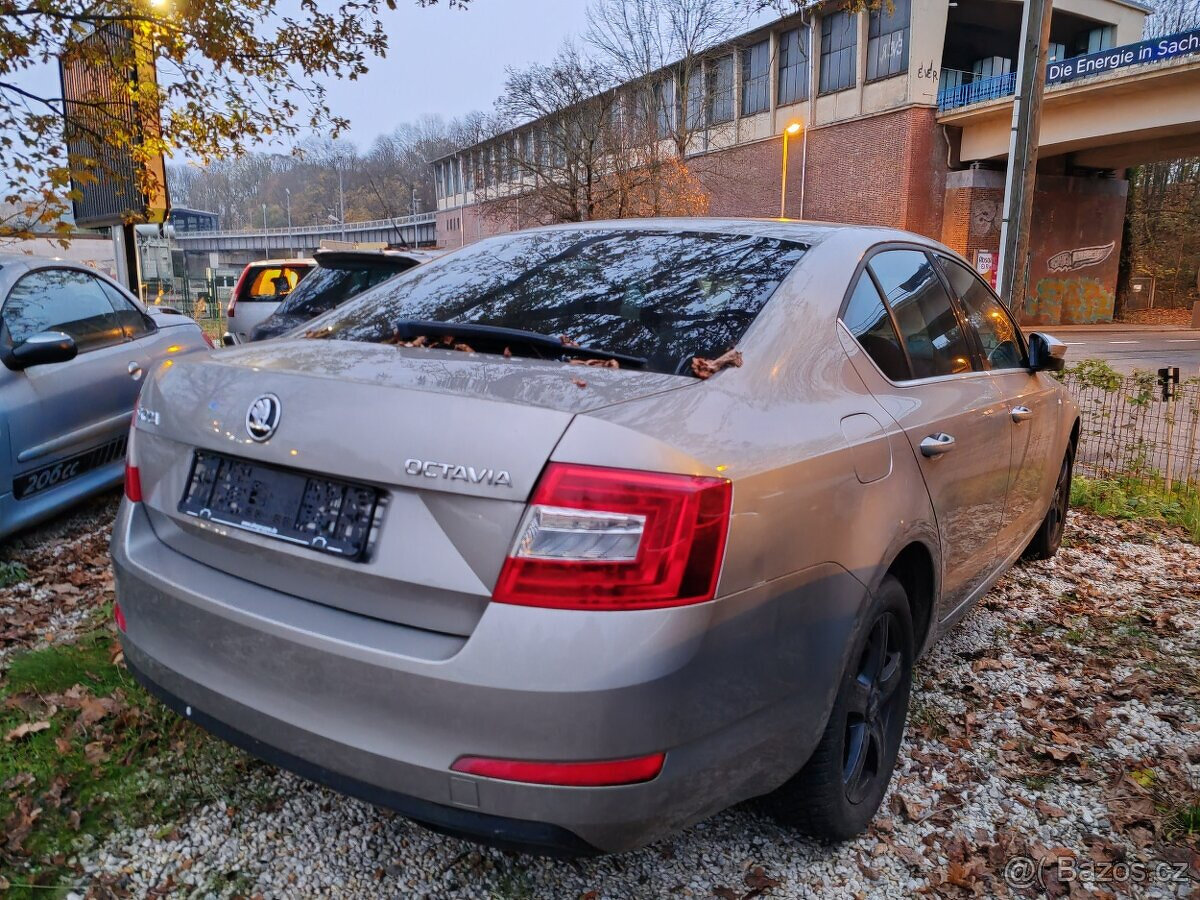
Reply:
x=1135, y=348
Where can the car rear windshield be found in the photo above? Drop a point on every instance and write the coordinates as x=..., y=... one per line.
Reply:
x=331, y=286
x=270, y=283
x=665, y=296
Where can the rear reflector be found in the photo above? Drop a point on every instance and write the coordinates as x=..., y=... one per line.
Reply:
x=133, y=483
x=119, y=617
x=598, y=538
x=569, y=774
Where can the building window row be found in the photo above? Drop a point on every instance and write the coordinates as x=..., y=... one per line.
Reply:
x=710, y=96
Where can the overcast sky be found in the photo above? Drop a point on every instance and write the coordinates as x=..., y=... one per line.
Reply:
x=451, y=61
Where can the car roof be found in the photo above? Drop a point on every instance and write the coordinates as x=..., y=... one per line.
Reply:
x=276, y=263
x=332, y=257
x=804, y=231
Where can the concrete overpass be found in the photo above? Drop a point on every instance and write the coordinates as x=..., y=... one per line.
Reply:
x=1103, y=112
x=415, y=231
x=1112, y=120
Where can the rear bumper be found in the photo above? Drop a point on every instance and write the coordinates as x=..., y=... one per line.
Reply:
x=511, y=834
x=735, y=692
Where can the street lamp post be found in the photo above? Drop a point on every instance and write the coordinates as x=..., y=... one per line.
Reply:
x=792, y=130
x=266, y=240
x=288, y=201
x=341, y=202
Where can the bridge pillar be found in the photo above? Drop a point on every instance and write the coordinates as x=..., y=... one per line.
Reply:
x=1075, y=240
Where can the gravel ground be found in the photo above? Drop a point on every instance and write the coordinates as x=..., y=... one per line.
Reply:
x=1058, y=722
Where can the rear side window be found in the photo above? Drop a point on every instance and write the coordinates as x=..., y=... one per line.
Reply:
x=64, y=300
x=270, y=284
x=929, y=327
x=999, y=338
x=665, y=296
x=870, y=322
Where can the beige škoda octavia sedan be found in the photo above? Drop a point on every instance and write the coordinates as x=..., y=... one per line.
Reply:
x=484, y=547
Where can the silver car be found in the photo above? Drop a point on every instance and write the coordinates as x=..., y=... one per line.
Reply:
x=75, y=346
x=578, y=535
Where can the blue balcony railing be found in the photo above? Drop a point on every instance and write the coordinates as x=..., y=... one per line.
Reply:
x=975, y=90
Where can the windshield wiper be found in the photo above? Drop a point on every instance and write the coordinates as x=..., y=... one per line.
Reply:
x=409, y=329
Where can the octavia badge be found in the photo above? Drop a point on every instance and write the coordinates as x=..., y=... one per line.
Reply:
x=263, y=417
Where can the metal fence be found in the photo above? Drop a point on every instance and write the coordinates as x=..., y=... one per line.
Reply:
x=1130, y=431
x=971, y=88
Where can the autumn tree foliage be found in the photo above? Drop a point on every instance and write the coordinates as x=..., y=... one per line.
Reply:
x=232, y=74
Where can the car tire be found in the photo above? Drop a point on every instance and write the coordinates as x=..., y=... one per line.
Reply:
x=839, y=790
x=1049, y=535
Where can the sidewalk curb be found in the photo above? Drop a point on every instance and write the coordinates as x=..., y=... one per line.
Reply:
x=1107, y=328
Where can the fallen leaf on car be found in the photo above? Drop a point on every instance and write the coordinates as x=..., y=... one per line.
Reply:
x=596, y=363
x=566, y=341
x=705, y=368
x=26, y=729
x=579, y=382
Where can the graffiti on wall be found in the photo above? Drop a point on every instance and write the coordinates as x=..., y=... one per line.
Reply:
x=1069, y=301
x=985, y=216
x=1080, y=257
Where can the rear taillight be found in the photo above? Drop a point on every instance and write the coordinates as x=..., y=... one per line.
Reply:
x=597, y=538
x=119, y=616
x=133, y=482
x=237, y=290
x=133, y=479
x=570, y=774
x=208, y=340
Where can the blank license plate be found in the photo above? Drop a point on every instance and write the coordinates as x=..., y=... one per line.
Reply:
x=324, y=514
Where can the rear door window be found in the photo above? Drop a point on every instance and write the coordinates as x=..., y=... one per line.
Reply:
x=870, y=322
x=665, y=296
x=65, y=300
x=133, y=322
x=929, y=326
x=270, y=284
x=999, y=337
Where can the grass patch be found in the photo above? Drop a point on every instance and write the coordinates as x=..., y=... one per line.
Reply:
x=1128, y=498
x=111, y=757
x=1186, y=821
x=12, y=573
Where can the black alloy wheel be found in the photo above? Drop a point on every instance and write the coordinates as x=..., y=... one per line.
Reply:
x=875, y=712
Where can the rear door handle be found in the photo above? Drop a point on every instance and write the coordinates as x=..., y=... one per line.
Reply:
x=937, y=444
x=1021, y=413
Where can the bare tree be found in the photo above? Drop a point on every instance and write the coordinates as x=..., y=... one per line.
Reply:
x=659, y=48
x=1172, y=17
x=553, y=169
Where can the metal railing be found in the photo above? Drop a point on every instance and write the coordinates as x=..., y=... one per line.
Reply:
x=1130, y=432
x=973, y=89
x=328, y=229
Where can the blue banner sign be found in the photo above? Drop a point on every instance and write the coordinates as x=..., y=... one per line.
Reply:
x=1153, y=50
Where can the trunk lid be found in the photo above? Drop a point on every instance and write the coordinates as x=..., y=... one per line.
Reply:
x=453, y=442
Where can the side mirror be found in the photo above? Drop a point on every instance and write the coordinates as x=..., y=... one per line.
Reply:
x=41, y=349
x=1046, y=353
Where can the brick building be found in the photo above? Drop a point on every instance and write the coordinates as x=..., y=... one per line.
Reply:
x=879, y=94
